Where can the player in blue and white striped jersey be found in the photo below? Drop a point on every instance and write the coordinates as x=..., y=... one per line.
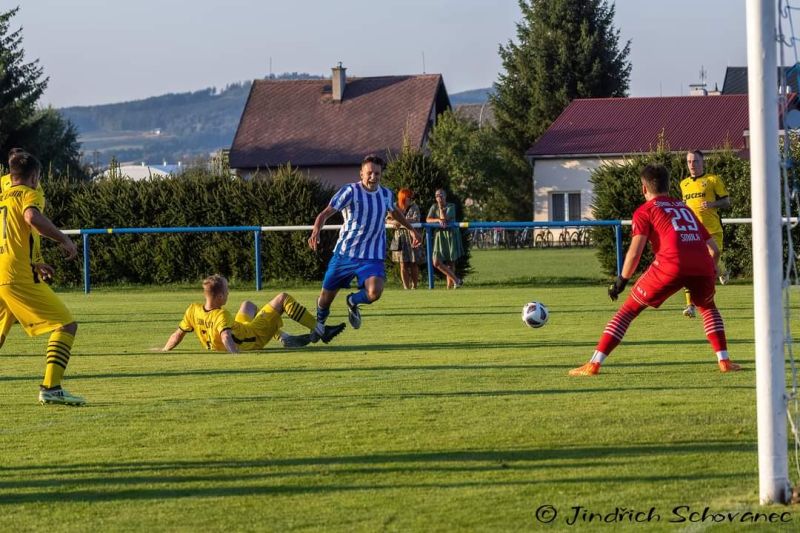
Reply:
x=361, y=248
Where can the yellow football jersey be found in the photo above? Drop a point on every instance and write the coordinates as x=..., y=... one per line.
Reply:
x=209, y=325
x=16, y=238
x=706, y=188
x=5, y=184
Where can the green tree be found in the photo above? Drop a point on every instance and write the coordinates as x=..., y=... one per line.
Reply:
x=617, y=194
x=470, y=156
x=21, y=83
x=54, y=140
x=413, y=169
x=43, y=132
x=565, y=49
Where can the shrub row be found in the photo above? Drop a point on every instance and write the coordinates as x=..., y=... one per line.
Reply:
x=617, y=194
x=196, y=198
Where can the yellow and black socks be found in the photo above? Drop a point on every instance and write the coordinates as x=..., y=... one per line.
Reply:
x=59, y=347
x=298, y=313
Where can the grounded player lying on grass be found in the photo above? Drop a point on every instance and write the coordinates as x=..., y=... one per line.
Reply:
x=685, y=256
x=252, y=328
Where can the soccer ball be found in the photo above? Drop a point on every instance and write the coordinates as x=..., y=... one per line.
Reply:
x=535, y=315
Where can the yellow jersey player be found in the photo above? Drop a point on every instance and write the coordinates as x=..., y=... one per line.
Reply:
x=22, y=293
x=705, y=194
x=251, y=329
x=44, y=270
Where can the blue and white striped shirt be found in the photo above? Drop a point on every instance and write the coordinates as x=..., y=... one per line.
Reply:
x=363, y=234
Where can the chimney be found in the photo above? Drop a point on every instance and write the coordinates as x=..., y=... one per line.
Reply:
x=338, y=82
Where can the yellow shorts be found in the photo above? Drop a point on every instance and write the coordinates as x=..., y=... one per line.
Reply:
x=718, y=239
x=6, y=321
x=36, y=306
x=255, y=333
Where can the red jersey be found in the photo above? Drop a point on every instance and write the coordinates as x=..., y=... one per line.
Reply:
x=677, y=237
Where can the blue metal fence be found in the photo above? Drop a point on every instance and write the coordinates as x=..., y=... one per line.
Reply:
x=257, y=230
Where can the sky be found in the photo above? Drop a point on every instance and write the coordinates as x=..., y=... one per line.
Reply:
x=104, y=51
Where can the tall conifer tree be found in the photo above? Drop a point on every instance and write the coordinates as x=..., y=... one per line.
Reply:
x=565, y=49
x=44, y=132
x=21, y=83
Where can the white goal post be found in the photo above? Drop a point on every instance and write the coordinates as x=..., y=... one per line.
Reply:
x=764, y=101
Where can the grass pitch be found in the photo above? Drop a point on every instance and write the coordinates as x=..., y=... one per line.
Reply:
x=442, y=413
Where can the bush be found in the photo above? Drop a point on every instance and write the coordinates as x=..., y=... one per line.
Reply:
x=414, y=170
x=617, y=194
x=196, y=198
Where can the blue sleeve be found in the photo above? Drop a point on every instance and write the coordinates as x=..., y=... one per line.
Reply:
x=342, y=198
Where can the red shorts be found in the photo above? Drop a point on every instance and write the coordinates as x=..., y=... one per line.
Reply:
x=654, y=287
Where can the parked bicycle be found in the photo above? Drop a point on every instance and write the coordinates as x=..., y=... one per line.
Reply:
x=543, y=239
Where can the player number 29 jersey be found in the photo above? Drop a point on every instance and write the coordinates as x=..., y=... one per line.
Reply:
x=676, y=235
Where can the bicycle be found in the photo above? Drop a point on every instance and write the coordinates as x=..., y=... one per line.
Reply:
x=543, y=239
x=565, y=238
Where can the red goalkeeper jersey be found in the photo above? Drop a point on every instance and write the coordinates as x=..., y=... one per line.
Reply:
x=677, y=237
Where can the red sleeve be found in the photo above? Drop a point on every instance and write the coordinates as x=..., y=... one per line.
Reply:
x=641, y=223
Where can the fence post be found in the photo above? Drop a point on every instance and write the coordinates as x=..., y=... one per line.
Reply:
x=618, y=237
x=86, y=281
x=429, y=254
x=257, y=236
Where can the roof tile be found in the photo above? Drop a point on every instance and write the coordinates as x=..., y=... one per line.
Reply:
x=297, y=121
x=595, y=126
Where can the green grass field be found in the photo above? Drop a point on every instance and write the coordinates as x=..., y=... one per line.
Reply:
x=443, y=413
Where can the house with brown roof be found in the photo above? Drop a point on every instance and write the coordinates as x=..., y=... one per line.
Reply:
x=326, y=127
x=597, y=131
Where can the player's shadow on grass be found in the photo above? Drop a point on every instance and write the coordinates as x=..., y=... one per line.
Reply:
x=179, y=373
x=506, y=344
x=462, y=394
x=163, y=480
x=423, y=347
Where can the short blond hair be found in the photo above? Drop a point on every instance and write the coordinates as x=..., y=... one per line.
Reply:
x=213, y=285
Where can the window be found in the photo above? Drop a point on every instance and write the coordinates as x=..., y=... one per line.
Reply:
x=565, y=206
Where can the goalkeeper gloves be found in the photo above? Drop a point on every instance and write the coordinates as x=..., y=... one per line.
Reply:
x=617, y=287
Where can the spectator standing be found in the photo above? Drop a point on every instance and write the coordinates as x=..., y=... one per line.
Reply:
x=402, y=248
x=447, y=241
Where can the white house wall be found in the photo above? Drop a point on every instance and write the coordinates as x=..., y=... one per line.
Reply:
x=564, y=175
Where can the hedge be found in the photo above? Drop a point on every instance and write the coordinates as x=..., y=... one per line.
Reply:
x=617, y=194
x=196, y=198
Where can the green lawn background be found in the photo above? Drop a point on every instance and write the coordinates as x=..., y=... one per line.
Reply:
x=443, y=413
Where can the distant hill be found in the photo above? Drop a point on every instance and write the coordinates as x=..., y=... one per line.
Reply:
x=475, y=96
x=170, y=128
x=178, y=126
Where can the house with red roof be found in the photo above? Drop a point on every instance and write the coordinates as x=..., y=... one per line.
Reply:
x=326, y=127
x=596, y=131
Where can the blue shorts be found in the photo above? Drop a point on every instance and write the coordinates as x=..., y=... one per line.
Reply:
x=342, y=270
